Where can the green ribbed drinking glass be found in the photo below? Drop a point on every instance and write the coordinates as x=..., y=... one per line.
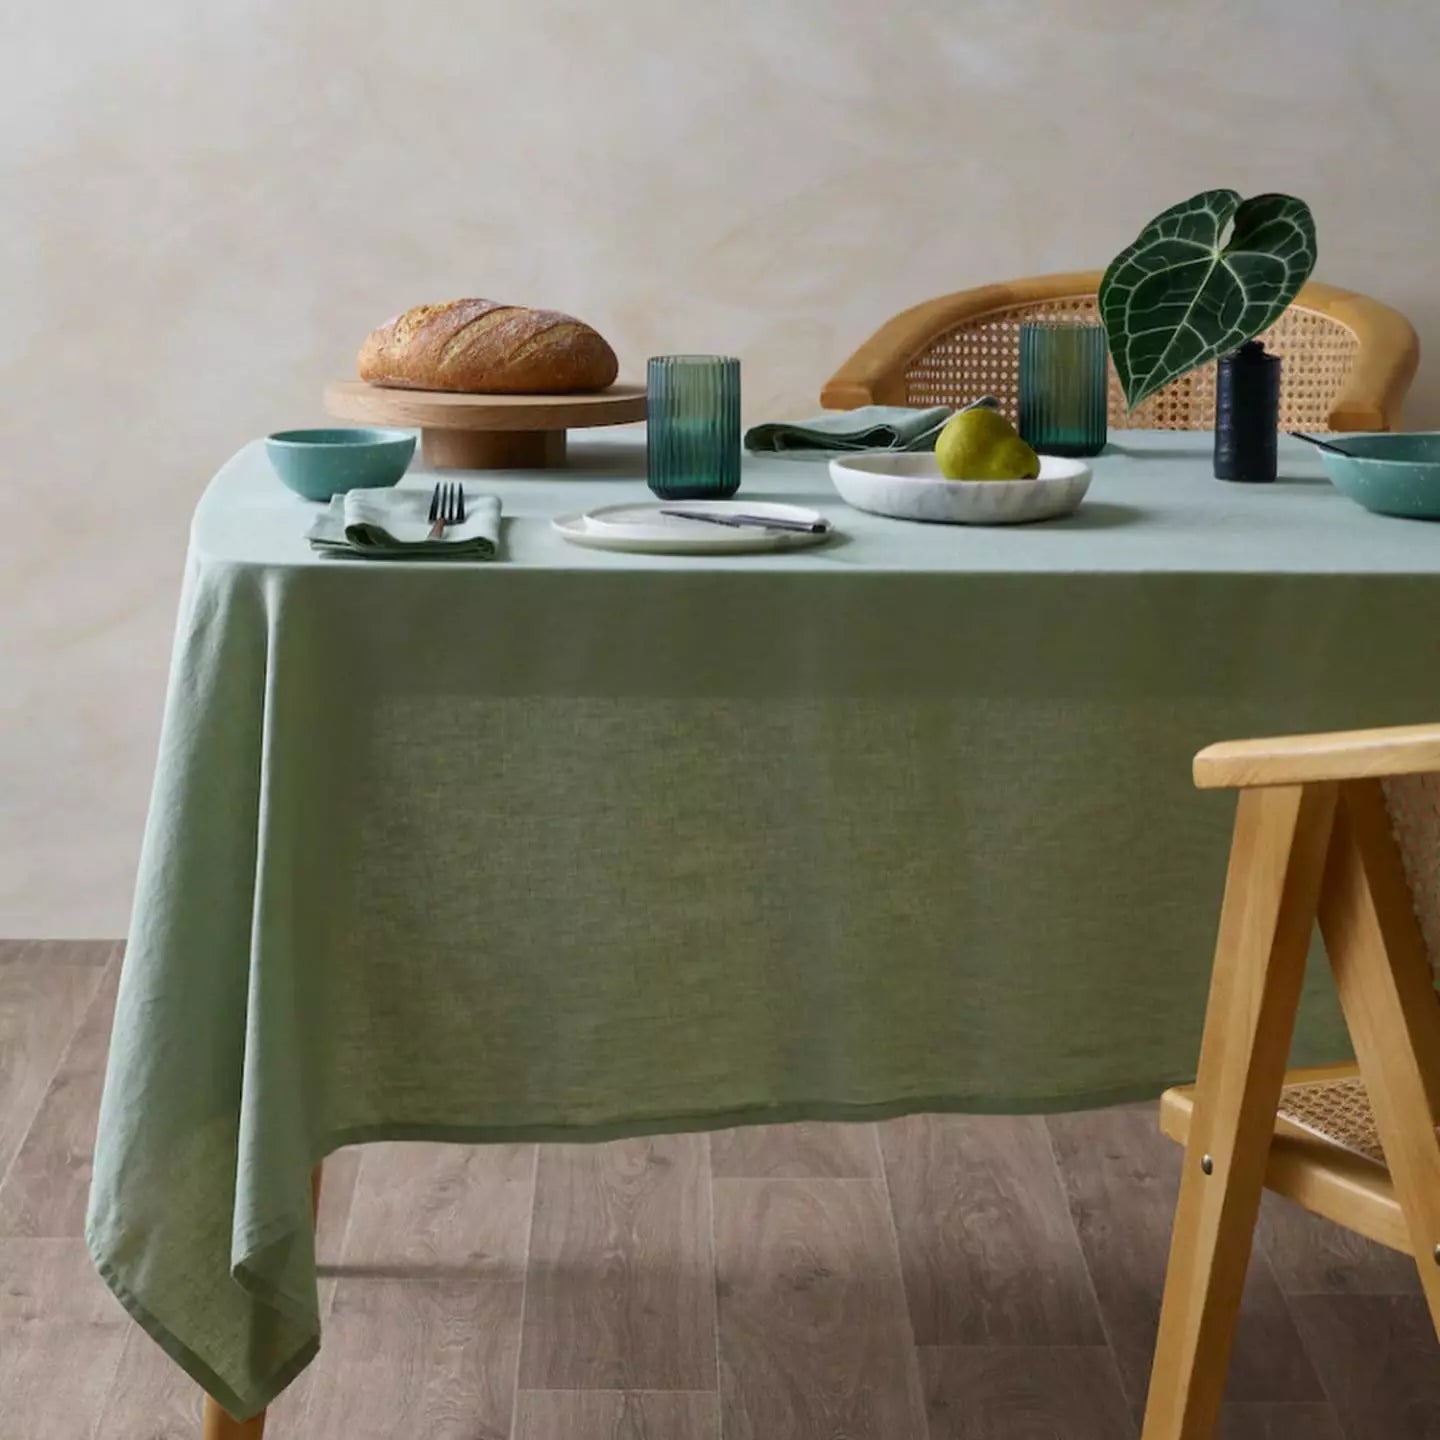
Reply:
x=1063, y=388
x=692, y=433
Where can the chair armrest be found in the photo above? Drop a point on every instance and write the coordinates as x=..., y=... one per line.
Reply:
x=875, y=373
x=1373, y=396
x=1301, y=759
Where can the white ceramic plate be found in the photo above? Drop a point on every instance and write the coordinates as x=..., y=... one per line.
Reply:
x=910, y=487
x=642, y=529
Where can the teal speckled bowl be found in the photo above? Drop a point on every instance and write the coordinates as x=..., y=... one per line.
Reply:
x=1389, y=474
x=320, y=463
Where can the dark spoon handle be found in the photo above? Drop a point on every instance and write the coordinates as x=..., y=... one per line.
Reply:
x=1318, y=444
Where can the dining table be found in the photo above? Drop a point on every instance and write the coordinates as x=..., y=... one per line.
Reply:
x=572, y=845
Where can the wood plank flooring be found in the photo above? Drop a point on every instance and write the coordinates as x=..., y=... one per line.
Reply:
x=936, y=1278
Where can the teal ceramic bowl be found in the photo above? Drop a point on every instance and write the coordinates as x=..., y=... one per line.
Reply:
x=1389, y=474
x=320, y=463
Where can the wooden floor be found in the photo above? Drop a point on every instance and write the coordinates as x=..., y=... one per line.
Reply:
x=950, y=1278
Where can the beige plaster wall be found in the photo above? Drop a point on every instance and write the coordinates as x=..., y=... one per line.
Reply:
x=203, y=207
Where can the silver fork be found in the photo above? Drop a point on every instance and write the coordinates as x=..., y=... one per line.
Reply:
x=447, y=507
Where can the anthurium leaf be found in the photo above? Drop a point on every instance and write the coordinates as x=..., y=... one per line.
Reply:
x=1179, y=297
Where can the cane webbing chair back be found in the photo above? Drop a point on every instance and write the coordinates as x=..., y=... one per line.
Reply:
x=1347, y=361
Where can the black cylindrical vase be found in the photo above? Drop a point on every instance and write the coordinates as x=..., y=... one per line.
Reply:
x=1247, y=414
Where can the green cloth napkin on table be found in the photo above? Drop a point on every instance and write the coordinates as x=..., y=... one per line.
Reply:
x=395, y=525
x=871, y=427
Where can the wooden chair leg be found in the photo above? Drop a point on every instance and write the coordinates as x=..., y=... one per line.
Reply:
x=217, y=1423
x=1272, y=888
x=1388, y=995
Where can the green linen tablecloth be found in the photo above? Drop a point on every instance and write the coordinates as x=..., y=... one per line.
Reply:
x=576, y=845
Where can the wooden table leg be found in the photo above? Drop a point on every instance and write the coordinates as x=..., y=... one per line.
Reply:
x=218, y=1423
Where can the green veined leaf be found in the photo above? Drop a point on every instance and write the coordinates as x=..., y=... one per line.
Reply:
x=1178, y=298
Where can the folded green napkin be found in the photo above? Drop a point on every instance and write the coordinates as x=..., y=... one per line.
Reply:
x=871, y=427
x=395, y=525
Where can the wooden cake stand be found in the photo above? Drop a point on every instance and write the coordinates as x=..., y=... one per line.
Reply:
x=486, y=432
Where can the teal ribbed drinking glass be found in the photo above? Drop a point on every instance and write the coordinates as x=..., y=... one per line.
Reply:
x=693, y=426
x=1062, y=388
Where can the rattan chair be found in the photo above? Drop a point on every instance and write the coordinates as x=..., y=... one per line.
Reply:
x=1343, y=829
x=1348, y=360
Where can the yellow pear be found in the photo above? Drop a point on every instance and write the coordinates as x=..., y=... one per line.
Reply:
x=981, y=444
x=1012, y=460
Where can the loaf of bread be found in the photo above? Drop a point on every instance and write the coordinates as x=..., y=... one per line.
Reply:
x=486, y=348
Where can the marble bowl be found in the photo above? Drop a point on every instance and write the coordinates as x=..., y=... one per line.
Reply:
x=320, y=463
x=909, y=486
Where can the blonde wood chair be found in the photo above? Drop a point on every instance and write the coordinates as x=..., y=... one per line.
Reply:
x=1348, y=360
x=1343, y=829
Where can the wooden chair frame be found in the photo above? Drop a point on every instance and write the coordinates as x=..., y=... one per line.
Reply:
x=1312, y=841
x=1372, y=399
